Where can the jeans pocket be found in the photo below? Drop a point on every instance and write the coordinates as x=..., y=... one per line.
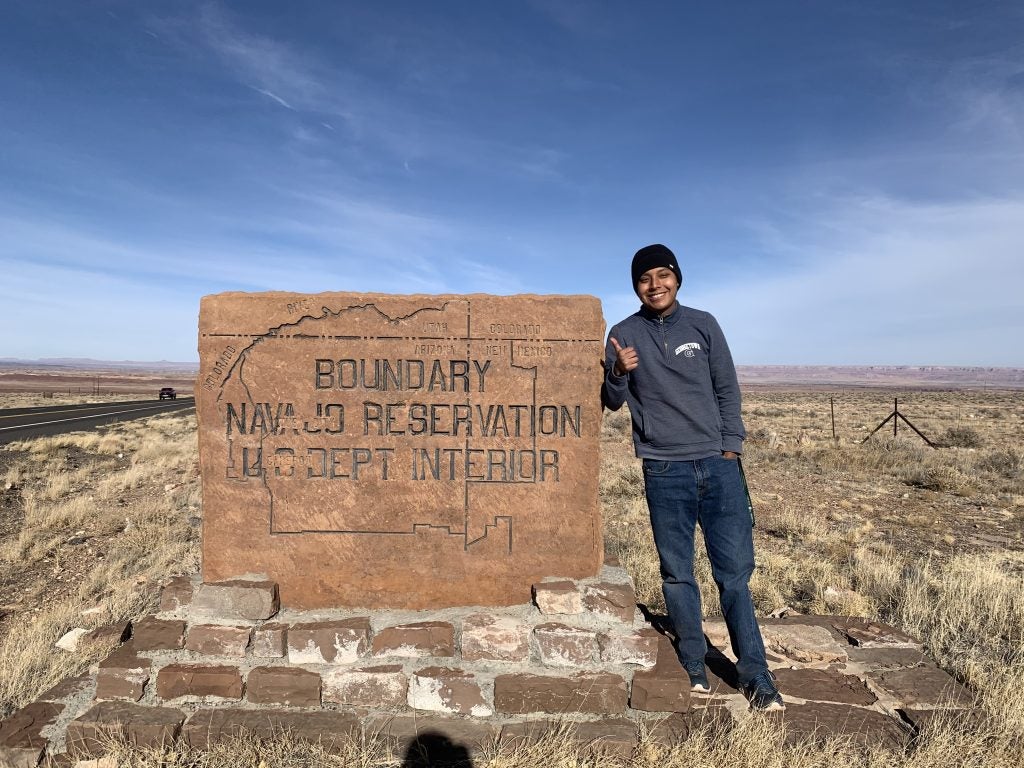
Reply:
x=656, y=467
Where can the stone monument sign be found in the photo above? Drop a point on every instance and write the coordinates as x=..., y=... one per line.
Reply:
x=400, y=451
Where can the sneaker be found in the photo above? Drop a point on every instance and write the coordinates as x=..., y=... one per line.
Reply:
x=762, y=693
x=698, y=677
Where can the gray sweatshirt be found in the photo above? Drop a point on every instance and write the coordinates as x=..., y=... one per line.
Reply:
x=683, y=396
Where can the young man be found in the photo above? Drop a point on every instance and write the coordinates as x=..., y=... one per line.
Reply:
x=671, y=364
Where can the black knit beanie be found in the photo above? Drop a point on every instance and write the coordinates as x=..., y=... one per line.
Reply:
x=652, y=256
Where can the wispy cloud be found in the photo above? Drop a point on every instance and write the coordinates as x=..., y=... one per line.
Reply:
x=884, y=281
x=275, y=97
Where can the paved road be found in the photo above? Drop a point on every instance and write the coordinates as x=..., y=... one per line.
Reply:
x=21, y=423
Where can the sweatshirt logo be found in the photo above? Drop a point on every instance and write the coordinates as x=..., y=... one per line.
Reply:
x=687, y=349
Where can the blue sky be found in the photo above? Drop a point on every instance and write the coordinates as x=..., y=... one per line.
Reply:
x=843, y=183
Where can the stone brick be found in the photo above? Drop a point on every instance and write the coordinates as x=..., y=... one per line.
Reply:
x=598, y=693
x=110, y=634
x=379, y=687
x=613, y=737
x=430, y=740
x=613, y=601
x=122, y=675
x=333, y=730
x=888, y=658
x=498, y=638
x=388, y=539
x=824, y=685
x=268, y=641
x=136, y=724
x=153, y=634
x=678, y=726
x=864, y=727
x=414, y=641
x=560, y=645
x=290, y=686
x=875, y=634
x=237, y=599
x=176, y=593
x=922, y=686
x=66, y=688
x=660, y=690
x=328, y=642
x=803, y=643
x=946, y=721
x=177, y=680
x=557, y=597
x=440, y=689
x=21, y=742
x=639, y=647
x=218, y=640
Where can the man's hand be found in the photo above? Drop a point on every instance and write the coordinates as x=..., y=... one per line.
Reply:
x=731, y=455
x=626, y=358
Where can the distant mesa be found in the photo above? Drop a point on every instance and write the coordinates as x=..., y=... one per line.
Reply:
x=89, y=364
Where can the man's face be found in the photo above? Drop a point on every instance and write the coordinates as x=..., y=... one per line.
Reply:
x=657, y=289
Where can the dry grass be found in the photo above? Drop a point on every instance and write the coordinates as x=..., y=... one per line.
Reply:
x=850, y=528
x=889, y=529
x=100, y=519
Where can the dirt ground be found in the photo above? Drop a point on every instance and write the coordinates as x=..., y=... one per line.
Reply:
x=931, y=502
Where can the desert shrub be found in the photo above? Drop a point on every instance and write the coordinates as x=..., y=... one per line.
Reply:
x=939, y=477
x=759, y=436
x=1005, y=462
x=961, y=437
x=769, y=413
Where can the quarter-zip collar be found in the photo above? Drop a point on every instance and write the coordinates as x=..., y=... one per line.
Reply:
x=669, y=319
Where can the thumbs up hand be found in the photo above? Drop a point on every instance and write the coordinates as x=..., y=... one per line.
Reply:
x=626, y=358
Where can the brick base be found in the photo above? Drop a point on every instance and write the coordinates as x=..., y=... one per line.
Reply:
x=581, y=660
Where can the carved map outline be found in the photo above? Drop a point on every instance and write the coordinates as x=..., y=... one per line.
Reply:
x=294, y=331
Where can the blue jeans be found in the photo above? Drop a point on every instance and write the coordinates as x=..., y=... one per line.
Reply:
x=709, y=491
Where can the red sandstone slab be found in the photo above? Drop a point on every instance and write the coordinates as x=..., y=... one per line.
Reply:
x=176, y=593
x=614, y=600
x=66, y=688
x=268, y=641
x=452, y=691
x=138, y=725
x=486, y=636
x=328, y=642
x=236, y=599
x=615, y=737
x=20, y=741
x=153, y=634
x=290, y=686
x=598, y=693
x=923, y=686
x=824, y=685
x=451, y=441
x=176, y=680
x=432, y=740
x=123, y=675
x=425, y=638
x=218, y=640
x=560, y=645
x=383, y=686
x=817, y=722
x=333, y=730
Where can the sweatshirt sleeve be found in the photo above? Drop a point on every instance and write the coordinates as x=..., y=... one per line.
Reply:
x=613, y=391
x=727, y=389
